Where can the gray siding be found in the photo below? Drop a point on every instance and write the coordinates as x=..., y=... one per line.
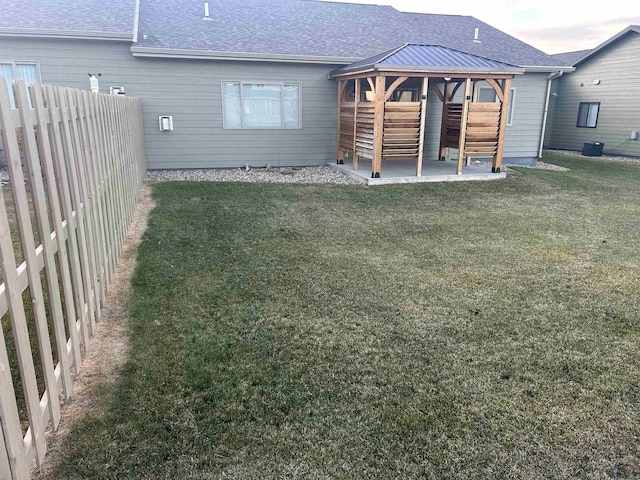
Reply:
x=190, y=91
x=618, y=69
x=522, y=139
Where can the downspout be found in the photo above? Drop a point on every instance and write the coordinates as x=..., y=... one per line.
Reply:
x=550, y=79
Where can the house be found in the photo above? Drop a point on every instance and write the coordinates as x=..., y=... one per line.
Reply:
x=600, y=100
x=248, y=81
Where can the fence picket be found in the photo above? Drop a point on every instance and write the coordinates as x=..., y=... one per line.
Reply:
x=92, y=180
x=116, y=179
x=82, y=158
x=85, y=157
x=81, y=205
x=73, y=213
x=67, y=251
x=31, y=153
x=5, y=466
x=94, y=104
x=10, y=277
x=40, y=194
x=109, y=179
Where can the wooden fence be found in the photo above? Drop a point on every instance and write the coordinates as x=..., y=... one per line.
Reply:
x=75, y=162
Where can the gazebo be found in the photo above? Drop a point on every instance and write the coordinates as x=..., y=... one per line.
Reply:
x=382, y=106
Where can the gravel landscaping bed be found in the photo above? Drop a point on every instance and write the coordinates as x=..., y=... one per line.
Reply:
x=318, y=175
x=259, y=175
x=615, y=158
x=539, y=166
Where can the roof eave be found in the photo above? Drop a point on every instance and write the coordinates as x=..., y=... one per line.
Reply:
x=448, y=70
x=77, y=34
x=547, y=68
x=424, y=70
x=630, y=29
x=244, y=56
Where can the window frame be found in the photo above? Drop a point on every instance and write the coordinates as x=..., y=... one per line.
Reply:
x=282, y=84
x=588, y=109
x=512, y=101
x=14, y=64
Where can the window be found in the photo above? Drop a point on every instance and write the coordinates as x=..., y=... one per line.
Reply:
x=588, y=114
x=27, y=71
x=405, y=95
x=261, y=105
x=488, y=94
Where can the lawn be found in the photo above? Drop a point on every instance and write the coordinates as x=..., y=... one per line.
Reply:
x=457, y=330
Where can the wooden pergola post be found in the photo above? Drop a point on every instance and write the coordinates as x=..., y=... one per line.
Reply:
x=476, y=90
x=502, y=129
x=355, y=122
x=340, y=152
x=423, y=115
x=474, y=98
x=378, y=126
x=463, y=124
x=443, y=131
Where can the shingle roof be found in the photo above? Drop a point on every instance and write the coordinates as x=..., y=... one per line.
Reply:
x=457, y=31
x=305, y=28
x=571, y=58
x=315, y=28
x=428, y=58
x=291, y=27
x=108, y=16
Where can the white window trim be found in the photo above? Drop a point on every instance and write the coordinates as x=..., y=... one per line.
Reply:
x=14, y=72
x=24, y=62
x=260, y=82
x=512, y=102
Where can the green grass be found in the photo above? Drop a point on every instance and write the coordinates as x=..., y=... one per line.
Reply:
x=460, y=330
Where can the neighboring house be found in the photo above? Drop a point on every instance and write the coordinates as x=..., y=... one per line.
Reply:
x=247, y=82
x=600, y=100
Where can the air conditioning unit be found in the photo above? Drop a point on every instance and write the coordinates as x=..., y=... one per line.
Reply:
x=592, y=149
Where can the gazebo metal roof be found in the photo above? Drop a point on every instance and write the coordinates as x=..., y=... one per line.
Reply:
x=427, y=59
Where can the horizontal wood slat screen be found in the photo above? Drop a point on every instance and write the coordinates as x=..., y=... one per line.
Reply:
x=347, y=112
x=482, y=129
x=451, y=124
x=401, y=136
x=364, y=130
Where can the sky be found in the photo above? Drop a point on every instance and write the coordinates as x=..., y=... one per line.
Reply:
x=553, y=26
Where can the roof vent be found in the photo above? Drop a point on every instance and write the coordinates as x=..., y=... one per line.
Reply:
x=206, y=12
x=476, y=36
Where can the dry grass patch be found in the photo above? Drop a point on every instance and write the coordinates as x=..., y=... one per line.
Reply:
x=418, y=331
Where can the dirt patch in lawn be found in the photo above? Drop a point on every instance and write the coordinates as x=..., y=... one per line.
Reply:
x=108, y=348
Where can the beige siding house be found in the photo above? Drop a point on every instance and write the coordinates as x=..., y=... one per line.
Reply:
x=600, y=100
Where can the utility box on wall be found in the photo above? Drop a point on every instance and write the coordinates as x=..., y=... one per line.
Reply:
x=166, y=123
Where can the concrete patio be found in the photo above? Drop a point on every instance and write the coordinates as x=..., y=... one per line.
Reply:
x=404, y=171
